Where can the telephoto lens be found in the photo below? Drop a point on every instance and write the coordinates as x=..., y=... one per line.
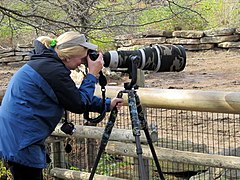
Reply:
x=157, y=58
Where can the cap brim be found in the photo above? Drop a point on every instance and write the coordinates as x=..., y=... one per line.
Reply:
x=89, y=45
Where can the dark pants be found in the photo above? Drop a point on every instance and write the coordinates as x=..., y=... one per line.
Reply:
x=21, y=172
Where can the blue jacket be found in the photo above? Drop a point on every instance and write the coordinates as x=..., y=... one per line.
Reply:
x=33, y=105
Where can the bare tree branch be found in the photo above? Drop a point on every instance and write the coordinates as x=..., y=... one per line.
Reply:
x=186, y=8
x=54, y=16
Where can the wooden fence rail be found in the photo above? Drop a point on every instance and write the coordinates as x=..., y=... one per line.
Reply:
x=164, y=154
x=94, y=132
x=193, y=100
x=71, y=174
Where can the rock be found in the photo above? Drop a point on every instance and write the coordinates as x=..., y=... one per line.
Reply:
x=220, y=32
x=142, y=41
x=197, y=47
x=229, y=45
x=157, y=33
x=219, y=39
x=182, y=41
x=188, y=34
x=129, y=36
x=130, y=48
x=148, y=41
x=237, y=31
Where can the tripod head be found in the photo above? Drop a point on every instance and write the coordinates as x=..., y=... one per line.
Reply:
x=134, y=61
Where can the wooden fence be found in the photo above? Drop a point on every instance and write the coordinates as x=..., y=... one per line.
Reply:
x=121, y=140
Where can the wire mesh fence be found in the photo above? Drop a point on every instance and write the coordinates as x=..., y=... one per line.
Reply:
x=191, y=131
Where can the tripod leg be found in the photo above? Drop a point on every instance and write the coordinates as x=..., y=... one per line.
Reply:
x=136, y=133
x=144, y=126
x=105, y=137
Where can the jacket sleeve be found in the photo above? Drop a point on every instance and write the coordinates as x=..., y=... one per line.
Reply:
x=82, y=99
x=97, y=105
x=70, y=97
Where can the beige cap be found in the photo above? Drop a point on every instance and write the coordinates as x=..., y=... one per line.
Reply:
x=80, y=40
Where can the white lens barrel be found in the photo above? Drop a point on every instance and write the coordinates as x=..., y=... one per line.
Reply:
x=113, y=59
x=158, y=58
x=143, y=58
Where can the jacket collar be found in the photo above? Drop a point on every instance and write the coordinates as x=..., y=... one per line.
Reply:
x=41, y=52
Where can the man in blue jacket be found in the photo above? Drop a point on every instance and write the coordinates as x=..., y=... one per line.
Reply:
x=38, y=93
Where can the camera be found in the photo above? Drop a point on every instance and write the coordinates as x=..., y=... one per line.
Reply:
x=93, y=54
x=157, y=58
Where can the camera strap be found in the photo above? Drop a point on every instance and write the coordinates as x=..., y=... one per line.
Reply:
x=65, y=116
x=102, y=82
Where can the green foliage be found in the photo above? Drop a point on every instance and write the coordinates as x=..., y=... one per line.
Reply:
x=189, y=15
x=103, y=40
x=5, y=32
x=11, y=28
x=15, y=28
x=209, y=10
x=108, y=165
x=74, y=168
x=182, y=15
x=219, y=13
x=4, y=172
x=106, y=19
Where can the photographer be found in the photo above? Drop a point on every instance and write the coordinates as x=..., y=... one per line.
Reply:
x=37, y=96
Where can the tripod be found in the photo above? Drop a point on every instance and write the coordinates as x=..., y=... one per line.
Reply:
x=138, y=122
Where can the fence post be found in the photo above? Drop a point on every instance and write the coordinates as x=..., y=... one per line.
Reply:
x=91, y=145
x=57, y=155
x=92, y=149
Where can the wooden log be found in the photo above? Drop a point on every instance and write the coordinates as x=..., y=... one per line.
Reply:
x=166, y=154
x=71, y=174
x=193, y=100
x=54, y=139
x=94, y=132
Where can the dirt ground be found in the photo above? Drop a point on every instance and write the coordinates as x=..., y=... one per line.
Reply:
x=206, y=70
